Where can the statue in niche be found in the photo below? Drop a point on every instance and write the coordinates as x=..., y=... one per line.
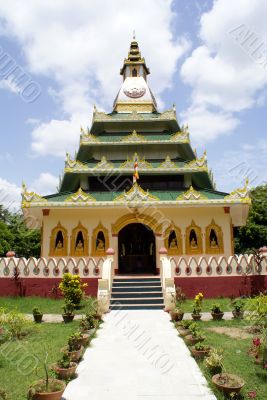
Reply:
x=100, y=242
x=173, y=240
x=213, y=240
x=59, y=242
x=193, y=240
x=79, y=248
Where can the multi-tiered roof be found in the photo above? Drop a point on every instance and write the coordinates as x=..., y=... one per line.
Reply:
x=171, y=174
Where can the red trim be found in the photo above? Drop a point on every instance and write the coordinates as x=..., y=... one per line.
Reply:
x=222, y=285
x=40, y=286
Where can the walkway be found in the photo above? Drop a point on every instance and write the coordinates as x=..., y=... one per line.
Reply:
x=138, y=355
x=56, y=318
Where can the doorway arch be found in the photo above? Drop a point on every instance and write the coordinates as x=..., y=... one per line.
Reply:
x=137, y=249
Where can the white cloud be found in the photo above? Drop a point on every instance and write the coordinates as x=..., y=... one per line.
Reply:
x=206, y=125
x=45, y=184
x=221, y=71
x=81, y=46
x=9, y=195
x=247, y=161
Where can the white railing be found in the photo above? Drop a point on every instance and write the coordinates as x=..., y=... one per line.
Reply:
x=50, y=267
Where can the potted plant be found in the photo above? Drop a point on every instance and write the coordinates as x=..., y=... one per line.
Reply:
x=68, y=314
x=37, y=315
x=200, y=350
x=177, y=313
x=195, y=335
x=196, y=313
x=92, y=323
x=216, y=312
x=75, y=349
x=65, y=368
x=238, y=311
x=183, y=328
x=214, y=361
x=228, y=383
x=46, y=388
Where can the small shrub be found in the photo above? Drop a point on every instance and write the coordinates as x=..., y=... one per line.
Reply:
x=214, y=362
x=186, y=323
x=68, y=308
x=65, y=361
x=72, y=288
x=36, y=311
x=74, y=342
x=17, y=324
x=238, y=305
x=3, y=394
x=216, y=308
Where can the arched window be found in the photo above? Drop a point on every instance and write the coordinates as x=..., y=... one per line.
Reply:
x=79, y=241
x=134, y=72
x=214, y=239
x=58, y=241
x=173, y=240
x=193, y=239
x=100, y=240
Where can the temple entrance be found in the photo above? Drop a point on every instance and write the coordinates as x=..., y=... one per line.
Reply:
x=137, y=250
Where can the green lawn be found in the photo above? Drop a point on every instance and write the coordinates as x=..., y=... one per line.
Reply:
x=236, y=359
x=17, y=358
x=52, y=306
x=26, y=304
x=224, y=302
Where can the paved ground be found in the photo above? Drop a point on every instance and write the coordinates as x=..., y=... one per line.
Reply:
x=138, y=355
x=58, y=318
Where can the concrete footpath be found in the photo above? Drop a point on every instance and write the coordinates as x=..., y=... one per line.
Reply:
x=138, y=355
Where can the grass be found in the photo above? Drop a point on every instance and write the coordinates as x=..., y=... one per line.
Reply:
x=236, y=359
x=52, y=306
x=18, y=358
x=26, y=304
x=224, y=302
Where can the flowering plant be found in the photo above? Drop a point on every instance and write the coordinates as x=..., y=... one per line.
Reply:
x=197, y=307
x=72, y=288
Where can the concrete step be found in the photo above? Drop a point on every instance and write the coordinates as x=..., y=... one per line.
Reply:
x=139, y=289
x=143, y=284
x=136, y=279
x=118, y=295
x=131, y=300
x=130, y=307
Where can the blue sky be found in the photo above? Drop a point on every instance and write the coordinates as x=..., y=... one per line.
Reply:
x=207, y=57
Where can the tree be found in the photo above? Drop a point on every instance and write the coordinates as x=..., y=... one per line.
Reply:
x=14, y=235
x=254, y=234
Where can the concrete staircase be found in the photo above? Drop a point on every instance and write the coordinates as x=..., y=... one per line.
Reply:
x=136, y=293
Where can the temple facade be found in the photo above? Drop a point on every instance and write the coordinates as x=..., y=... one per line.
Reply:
x=136, y=186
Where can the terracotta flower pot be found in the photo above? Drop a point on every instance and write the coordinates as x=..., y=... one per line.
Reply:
x=196, y=317
x=238, y=314
x=220, y=380
x=67, y=318
x=217, y=316
x=50, y=396
x=183, y=332
x=85, y=339
x=38, y=318
x=193, y=340
x=65, y=373
x=76, y=355
x=200, y=354
x=176, y=315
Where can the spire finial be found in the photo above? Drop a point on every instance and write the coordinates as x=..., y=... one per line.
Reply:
x=134, y=36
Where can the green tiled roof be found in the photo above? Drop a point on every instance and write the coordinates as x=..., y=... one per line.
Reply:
x=162, y=195
x=155, y=163
x=118, y=137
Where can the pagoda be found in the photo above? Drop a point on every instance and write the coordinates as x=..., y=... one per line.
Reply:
x=136, y=186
